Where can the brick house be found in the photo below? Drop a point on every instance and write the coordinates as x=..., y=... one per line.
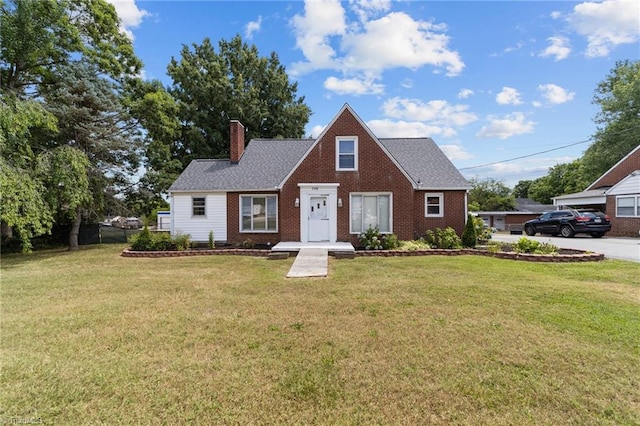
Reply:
x=331, y=188
x=616, y=192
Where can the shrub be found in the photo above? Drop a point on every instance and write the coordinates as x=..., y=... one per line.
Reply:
x=483, y=232
x=373, y=239
x=469, y=237
x=162, y=241
x=443, y=239
x=414, y=245
x=212, y=241
x=142, y=241
x=525, y=245
x=248, y=243
x=494, y=247
x=182, y=242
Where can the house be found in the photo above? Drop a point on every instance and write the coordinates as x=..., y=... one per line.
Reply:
x=331, y=188
x=616, y=193
x=526, y=209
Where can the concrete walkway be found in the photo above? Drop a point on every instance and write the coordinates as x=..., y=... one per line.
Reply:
x=310, y=262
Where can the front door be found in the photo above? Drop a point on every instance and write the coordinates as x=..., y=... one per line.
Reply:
x=318, y=215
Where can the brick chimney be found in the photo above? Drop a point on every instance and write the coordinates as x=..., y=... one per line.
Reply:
x=237, y=141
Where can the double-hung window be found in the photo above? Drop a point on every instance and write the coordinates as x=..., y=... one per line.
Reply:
x=370, y=210
x=434, y=204
x=628, y=206
x=347, y=153
x=259, y=213
x=198, y=206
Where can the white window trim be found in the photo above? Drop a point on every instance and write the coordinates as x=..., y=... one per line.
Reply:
x=258, y=231
x=636, y=204
x=355, y=153
x=390, y=194
x=440, y=195
x=199, y=216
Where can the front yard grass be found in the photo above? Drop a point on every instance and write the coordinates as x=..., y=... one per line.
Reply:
x=91, y=337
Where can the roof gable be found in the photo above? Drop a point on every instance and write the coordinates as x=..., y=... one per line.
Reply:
x=618, y=171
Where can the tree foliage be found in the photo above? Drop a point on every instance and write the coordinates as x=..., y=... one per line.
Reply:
x=234, y=83
x=564, y=178
x=39, y=36
x=618, y=96
x=490, y=195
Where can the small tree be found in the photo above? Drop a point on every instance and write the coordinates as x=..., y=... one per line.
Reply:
x=469, y=237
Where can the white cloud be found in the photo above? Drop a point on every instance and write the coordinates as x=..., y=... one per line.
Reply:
x=316, y=130
x=394, y=40
x=508, y=96
x=606, y=24
x=252, y=27
x=555, y=94
x=506, y=126
x=130, y=15
x=438, y=112
x=559, y=48
x=465, y=93
x=322, y=19
x=455, y=152
x=367, y=8
x=353, y=86
x=555, y=14
x=404, y=129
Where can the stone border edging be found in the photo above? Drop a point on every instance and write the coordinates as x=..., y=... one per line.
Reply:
x=529, y=257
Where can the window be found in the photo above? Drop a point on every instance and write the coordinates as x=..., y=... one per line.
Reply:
x=434, y=204
x=198, y=204
x=347, y=153
x=370, y=210
x=628, y=206
x=259, y=213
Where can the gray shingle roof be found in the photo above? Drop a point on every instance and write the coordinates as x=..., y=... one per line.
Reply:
x=266, y=162
x=425, y=163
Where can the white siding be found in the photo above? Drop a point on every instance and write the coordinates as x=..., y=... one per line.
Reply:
x=628, y=185
x=215, y=218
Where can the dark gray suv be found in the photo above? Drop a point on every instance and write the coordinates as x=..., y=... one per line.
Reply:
x=568, y=223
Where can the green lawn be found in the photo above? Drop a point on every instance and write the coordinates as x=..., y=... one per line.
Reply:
x=91, y=337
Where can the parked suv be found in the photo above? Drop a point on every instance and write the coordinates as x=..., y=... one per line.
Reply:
x=568, y=223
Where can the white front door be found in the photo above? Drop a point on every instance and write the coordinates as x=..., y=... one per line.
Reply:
x=318, y=214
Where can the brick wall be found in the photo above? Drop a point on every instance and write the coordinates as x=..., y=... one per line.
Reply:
x=621, y=226
x=234, y=236
x=622, y=170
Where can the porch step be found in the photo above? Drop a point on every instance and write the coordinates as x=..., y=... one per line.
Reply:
x=310, y=262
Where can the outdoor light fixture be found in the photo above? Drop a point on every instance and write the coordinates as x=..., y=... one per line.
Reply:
x=339, y=202
x=297, y=202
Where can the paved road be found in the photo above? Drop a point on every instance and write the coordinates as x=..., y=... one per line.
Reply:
x=611, y=247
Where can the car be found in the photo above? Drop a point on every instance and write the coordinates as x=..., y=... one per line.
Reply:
x=568, y=223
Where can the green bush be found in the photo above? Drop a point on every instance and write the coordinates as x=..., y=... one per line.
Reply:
x=414, y=245
x=443, y=239
x=525, y=245
x=212, y=241
x=373, y=239
x=142, y=241
x=158, y=241
x=248, y=243
x=182, y=242
x=469, y=237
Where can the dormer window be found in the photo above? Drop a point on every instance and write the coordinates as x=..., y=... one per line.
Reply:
x=347, y=153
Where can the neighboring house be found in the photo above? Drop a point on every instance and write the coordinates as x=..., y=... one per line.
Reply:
x=616, y=192
x=526, y=209
x=327, y=189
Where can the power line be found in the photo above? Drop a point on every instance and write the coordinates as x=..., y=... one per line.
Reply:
x=544, y=152
x=526, y=156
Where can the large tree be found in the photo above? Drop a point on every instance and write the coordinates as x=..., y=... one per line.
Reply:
x=93, y=121
x=234, y=83
x=39, y=36
x=564, y=178
x=490, y=195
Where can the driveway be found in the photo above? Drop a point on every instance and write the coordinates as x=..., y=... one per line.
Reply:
x=612, y=247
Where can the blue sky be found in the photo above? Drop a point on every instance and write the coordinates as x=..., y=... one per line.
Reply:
x=488, y=81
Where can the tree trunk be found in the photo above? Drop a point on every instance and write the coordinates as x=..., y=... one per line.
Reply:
x=75, y=231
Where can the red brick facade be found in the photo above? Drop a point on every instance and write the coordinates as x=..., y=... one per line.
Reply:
x=376, y=172
x=621, y=226
x=619, y=172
